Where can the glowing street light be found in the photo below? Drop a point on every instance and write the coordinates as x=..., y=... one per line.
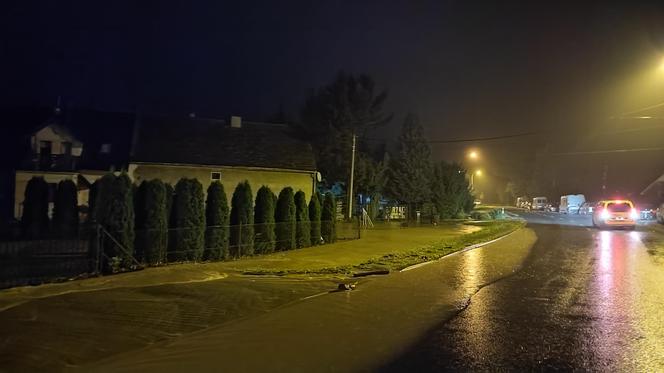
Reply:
x=472, y=177
x=473, y=154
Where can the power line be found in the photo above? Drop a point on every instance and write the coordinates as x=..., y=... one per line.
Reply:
x=612, y=151
x=642, y=109
x=476, y=139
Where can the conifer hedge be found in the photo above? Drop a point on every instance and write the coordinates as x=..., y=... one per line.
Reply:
x=65, y=210
x=114, y=210
x=34, y=221
x=328, y=219
x=285, y=220
x=302, y=224
x=264, y=221
x=242, y=220
x=217, y=219
x=189, y=220
x=314, y=218
x=151, y=222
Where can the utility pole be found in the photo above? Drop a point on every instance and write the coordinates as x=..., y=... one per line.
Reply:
x=350, y=188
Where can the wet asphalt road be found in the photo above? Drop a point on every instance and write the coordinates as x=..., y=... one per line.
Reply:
x=584, y=299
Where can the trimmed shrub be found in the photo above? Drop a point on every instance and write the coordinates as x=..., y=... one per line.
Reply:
x=170, y=193
x=264, y=221
x=302, y=225
x=65, y=210
x=242, y=221
x=314, y=218
x=151, y=222
x=217, y=218
x=285, y=220
x=92, y=200
x=34, y=221
x=114, y=210
x=328, y=219
x=189, y=219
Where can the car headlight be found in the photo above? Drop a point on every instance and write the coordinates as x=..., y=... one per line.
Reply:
x=634, y=214
x=604, y=214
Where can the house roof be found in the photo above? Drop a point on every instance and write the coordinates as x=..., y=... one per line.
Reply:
x=201, y=141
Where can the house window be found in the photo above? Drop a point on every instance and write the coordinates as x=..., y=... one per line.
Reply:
x=66, y=148
x=215, y=176
x=45, y=148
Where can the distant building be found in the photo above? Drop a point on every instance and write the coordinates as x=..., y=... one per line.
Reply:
x=85, y=145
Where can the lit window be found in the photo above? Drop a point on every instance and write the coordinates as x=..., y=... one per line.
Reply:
x=216, y=176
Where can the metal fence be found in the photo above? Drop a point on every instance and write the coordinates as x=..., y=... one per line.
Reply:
x=97, y=250
x=29, y=262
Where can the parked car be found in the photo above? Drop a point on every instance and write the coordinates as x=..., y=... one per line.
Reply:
x=615, y=213
x=587, y=208
x=660, y=214
x=522, y=202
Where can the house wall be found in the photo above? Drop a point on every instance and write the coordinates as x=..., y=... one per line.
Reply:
x=230, y=177
x=21, y=181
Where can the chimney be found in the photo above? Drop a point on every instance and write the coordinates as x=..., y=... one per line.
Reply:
x=236, y=122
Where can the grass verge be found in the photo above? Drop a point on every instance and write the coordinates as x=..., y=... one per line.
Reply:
x=490, y=231
x=398, y=260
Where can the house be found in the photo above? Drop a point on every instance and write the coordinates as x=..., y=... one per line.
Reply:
x=80, y=145
x=226, y=151
x=85, y=145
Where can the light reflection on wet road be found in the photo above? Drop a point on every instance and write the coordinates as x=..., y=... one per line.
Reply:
x=585, y=300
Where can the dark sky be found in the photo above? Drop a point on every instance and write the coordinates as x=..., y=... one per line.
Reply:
x=467, y=68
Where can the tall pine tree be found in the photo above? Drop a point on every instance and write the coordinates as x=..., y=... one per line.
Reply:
x=411, y=177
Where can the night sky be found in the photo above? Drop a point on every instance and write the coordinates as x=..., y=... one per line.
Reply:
x=469, y=69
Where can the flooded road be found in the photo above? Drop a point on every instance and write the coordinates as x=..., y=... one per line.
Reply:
x=346, y=331
x=558, y=295
x=584, y=300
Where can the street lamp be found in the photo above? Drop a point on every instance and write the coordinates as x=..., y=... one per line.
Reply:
x=472, y=177
x=473, y=155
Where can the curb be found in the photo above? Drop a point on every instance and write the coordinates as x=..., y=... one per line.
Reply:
x=467, y=248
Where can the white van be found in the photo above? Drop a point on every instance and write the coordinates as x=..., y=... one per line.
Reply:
x=539, y=203
x=571, y=203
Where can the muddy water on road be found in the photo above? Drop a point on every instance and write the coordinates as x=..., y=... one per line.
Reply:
x=345, y=331
x=584, y=300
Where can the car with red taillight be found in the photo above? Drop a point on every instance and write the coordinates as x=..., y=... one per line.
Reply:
x=618, y=213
